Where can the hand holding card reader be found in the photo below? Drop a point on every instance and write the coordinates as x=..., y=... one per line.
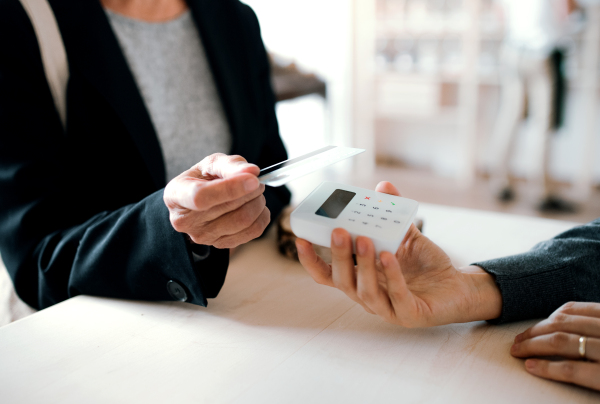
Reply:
x=383, y=218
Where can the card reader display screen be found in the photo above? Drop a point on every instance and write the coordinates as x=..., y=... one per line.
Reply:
x=336, y=202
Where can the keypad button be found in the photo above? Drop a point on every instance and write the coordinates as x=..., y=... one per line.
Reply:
x=362, y=204
x=357, y=212
x=370, y=215
x=352, y=220
x=397, y=221
x=378, y=226
x=365, y=222
x=375, y=207
x=388, y=211
x=384, y=218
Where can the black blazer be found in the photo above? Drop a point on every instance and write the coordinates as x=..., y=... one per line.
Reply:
x=82, y=212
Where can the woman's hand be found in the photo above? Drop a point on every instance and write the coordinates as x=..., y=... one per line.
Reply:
x=416, y=287
x=218, y=202
x=559, y=336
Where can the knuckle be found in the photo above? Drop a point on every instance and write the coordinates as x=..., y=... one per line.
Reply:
x=320, y=280
x=235, y=158
x=567, y=371
x=208, y=161
x=559, y=319
x=197, y=240
x=559, y=340
x=224, y=242
x=178, y=222
x=200, y=239
x=566, y=307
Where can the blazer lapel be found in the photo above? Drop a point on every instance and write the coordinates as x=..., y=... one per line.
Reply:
x=93, y=51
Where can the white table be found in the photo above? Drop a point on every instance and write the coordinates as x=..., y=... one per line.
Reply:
x=275, y=336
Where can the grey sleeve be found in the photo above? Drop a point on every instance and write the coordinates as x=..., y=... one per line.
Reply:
x=535, y=283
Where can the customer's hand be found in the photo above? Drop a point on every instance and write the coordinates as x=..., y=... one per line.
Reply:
x=558, y=336
x=416, y=287
x=218, y=202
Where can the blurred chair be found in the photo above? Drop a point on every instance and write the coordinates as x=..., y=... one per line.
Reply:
x=289, y=82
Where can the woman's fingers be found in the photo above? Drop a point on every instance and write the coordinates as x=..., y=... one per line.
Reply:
x=250, y=233
x=343, y=272
x=368, y=289
x=585, y=374
x=581, y=309
x=386, y=187
x=557, y=344
x=400, y=297
x=316, y=267
x=581, y=325
x=342, y=263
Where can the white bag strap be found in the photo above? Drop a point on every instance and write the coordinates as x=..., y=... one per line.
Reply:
x=52, y=49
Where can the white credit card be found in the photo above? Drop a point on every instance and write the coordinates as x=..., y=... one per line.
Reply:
x=286, y=171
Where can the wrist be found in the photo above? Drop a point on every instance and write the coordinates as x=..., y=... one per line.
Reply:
x=485, y=297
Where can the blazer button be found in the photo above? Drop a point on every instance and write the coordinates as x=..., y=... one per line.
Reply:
x=176, y=291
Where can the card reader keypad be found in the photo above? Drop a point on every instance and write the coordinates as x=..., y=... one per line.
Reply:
x=373, y=214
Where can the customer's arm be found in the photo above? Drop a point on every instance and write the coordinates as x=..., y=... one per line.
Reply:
x=68, y=227
x=535, y=283
x=419, y=286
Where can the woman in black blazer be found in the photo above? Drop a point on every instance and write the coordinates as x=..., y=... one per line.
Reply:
x=82, y=210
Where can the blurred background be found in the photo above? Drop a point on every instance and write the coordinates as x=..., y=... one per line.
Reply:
x=473, y=103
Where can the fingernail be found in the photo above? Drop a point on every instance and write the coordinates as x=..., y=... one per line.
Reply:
x=514, y=348
x=531, y=364
x=519, y=338
x=337, y=239
x=250, y=184
x=361, y=247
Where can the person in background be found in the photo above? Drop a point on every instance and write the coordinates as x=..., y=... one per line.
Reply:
x=170, y=112
x=418, y=286
x=532, y=81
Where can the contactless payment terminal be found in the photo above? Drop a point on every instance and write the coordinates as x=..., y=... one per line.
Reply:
x=383, y=218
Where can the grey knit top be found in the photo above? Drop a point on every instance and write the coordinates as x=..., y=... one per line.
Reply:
x=172, y=73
